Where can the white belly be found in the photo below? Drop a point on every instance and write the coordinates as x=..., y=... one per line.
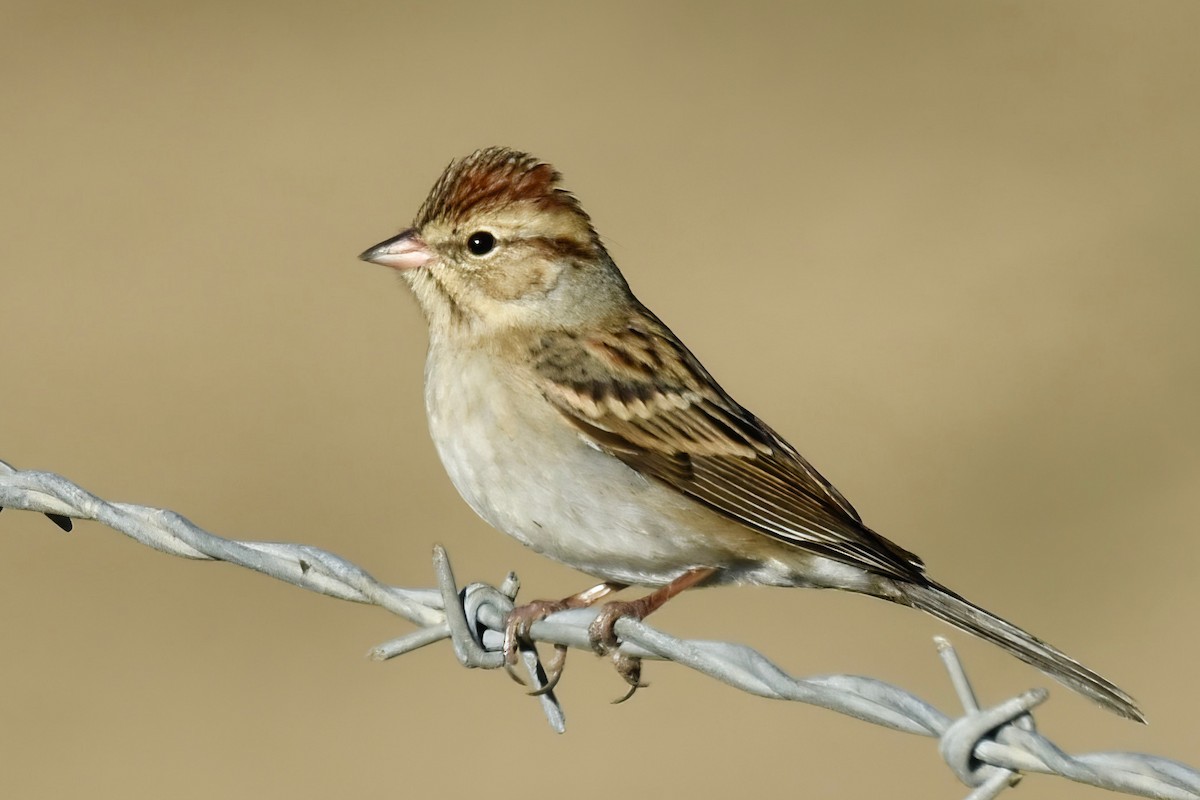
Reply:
x=524, y=470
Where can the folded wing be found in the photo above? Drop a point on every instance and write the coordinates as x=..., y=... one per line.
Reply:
x=641, y=396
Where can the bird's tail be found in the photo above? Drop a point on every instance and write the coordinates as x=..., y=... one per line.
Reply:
x=948, y=606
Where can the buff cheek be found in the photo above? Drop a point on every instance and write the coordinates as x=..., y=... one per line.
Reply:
x=518, y=281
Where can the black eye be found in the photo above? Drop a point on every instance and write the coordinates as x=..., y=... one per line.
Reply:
x=481, y=243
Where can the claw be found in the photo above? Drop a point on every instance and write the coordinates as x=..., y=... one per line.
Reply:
x=511, y=669
x=512, y=644
x=518, y=626
x=604, y=641
x=516, y=637
x=601, y=633
x=630, y=670
x=554, y=671
x=632, y=690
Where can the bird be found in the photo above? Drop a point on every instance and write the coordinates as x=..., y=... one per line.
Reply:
x=570, y=417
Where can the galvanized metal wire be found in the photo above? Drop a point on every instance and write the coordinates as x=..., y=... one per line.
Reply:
x=987, y=749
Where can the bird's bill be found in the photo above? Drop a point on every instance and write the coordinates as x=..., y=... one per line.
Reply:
x=404, y=251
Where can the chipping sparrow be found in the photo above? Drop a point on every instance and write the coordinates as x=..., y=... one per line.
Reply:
x=568, y=416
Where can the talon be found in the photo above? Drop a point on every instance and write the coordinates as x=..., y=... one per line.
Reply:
x=512, y=644
x=604, y=641
x=554, y=671
x=630, y=670
x=518, y=625
x=516, y=636
x=626, y=696
x=602, y=634
x=512, y=673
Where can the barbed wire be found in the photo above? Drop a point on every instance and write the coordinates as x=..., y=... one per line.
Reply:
x=987, y=749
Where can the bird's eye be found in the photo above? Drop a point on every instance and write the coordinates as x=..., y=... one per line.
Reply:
x=481, y=243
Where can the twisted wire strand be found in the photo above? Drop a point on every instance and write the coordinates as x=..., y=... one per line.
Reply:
x=987, y=748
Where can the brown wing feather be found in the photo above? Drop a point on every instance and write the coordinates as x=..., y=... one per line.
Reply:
x=640, y=395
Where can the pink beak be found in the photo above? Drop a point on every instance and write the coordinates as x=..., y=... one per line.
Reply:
x=405, y=251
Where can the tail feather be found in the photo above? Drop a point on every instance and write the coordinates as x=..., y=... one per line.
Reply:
x=949, y=607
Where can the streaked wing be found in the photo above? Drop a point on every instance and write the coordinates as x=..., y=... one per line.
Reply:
x=640, y=395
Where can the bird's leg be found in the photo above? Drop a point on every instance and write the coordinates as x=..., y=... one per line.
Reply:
x=520, y=621
x=604, y=638
x=601, y=633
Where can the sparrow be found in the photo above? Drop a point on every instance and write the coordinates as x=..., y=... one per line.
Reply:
x=568, y=416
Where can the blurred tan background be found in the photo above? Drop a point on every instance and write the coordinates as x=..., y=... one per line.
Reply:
x=950, y=250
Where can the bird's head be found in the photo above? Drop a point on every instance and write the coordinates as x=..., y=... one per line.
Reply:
x=497, y=244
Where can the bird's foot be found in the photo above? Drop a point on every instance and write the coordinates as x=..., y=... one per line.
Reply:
x=601, y=632
x=520, y=622
x=603, y=636
x=517, y=637
x=604, y=641
x=630, y=670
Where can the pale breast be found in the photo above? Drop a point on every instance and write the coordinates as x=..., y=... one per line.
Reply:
x=527, y=472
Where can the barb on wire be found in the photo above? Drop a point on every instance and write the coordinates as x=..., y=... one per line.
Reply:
x=987, y=749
